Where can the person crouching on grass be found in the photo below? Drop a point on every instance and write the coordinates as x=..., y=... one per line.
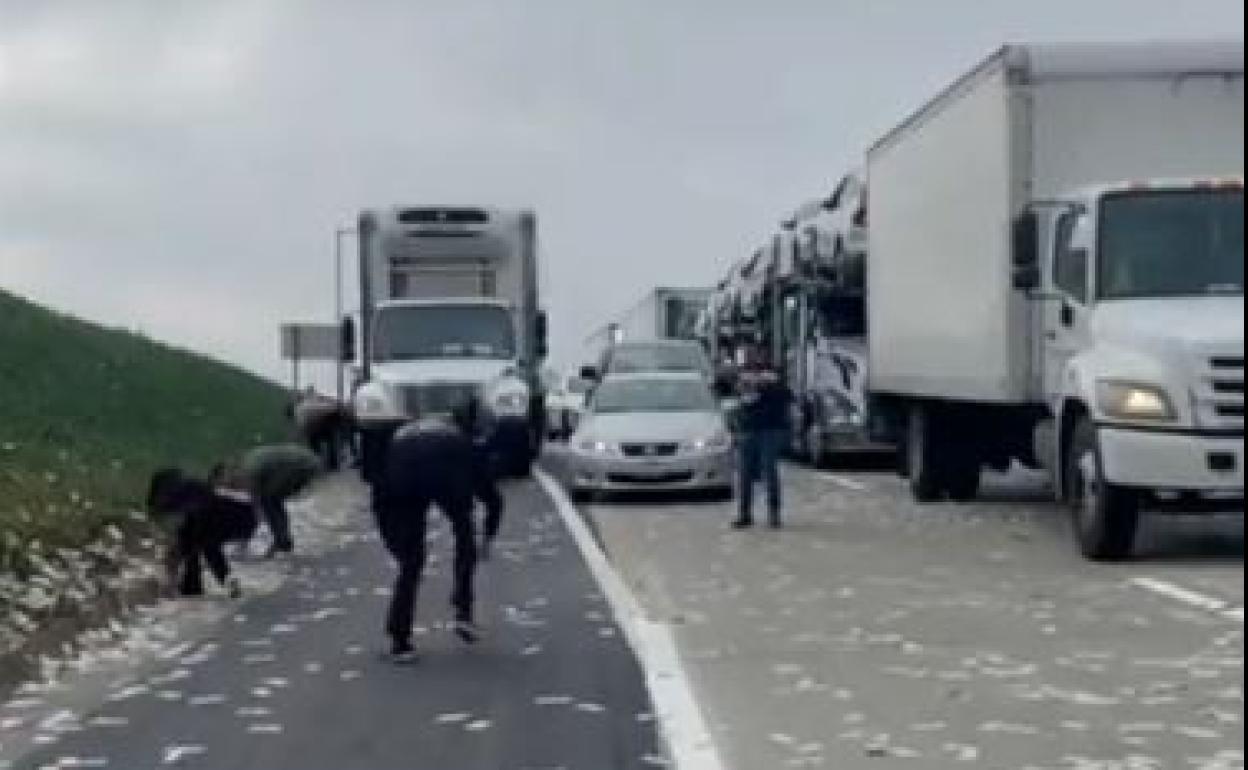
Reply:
x=202, y=522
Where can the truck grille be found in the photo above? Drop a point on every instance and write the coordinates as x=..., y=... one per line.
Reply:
x=650, y=450
x=436, y=399
x=1220, y=394
x=667, y=478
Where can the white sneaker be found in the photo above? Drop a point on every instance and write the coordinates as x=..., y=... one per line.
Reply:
x=467, y=631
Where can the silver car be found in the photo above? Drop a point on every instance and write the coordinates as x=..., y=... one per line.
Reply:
x=652, y=432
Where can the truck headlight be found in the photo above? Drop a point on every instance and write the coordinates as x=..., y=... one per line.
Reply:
x=1135, y=401
x=373, y=406
x=511, y=403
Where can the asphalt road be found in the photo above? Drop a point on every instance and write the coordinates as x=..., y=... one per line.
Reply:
x=294, y=679
x=873, y=632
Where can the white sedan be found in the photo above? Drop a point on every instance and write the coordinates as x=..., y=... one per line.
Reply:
x=652, y=432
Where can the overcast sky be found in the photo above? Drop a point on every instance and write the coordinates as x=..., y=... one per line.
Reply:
x=180, y=167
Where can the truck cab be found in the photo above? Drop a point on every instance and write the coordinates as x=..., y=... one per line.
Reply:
x=428, y=357
x=1139, y=312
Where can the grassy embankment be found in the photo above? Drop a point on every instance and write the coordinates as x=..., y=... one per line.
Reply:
x=86, y=414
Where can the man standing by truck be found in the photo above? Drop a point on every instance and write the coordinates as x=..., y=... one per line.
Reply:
x=765, y=402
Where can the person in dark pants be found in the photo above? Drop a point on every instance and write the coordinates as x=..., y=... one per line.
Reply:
x=765, y=405
x=272, y=475
x=484, y=475
x=208, y=521
x=429, y=462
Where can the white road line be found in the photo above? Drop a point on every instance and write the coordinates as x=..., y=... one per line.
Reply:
x=1191, y=598
x=844, y=483
x=683, y=727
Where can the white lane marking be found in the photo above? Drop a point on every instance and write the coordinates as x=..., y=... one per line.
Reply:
x=1191, y=598
x=844, y=483
x=683, y=727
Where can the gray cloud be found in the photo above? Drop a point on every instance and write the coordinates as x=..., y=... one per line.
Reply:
x=181, y=166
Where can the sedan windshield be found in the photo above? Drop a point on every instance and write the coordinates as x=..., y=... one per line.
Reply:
x=412, y=333
x=1172, y=244
x=656, y=358
x=623, y=396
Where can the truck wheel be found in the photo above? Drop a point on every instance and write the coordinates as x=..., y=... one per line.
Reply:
x=816, y=450
x=1106, y=516
x=962, y=480
x=923, y=456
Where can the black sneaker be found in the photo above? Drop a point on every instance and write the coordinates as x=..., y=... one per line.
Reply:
x=402, y=654
x=742, y=523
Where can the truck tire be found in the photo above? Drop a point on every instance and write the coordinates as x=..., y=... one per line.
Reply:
x=924, y=460
x=962, y=479
x=817, y=450
x=1106, y=516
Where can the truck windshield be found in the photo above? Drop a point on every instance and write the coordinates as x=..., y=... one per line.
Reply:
x=1172, y=244
x=443, y=331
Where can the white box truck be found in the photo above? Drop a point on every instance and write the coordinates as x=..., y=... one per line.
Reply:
x=1056, y=277
x=664, y=313
x=449, y=313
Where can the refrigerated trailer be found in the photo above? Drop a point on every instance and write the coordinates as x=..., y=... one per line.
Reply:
x=1056, y=278
x=449, y=315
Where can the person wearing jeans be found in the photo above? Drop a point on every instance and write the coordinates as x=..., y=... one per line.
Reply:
x=765, y=429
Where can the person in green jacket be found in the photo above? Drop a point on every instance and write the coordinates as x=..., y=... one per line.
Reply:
x=272, y=475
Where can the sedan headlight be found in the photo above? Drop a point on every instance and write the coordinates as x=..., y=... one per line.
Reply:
x=597, y=447
x=1135, y=401
x=719, y=441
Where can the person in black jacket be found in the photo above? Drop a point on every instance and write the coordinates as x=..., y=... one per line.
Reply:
x=431, y=461
x=765, y=404
x=207, y=522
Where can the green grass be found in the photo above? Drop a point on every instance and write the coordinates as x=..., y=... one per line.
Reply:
x=87, y=413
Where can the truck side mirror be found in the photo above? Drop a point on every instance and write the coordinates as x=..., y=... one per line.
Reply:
x=346, y=344
x=1026, y=256
x=589, y=374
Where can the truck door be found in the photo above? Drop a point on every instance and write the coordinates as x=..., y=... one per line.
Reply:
x=1066, y=316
